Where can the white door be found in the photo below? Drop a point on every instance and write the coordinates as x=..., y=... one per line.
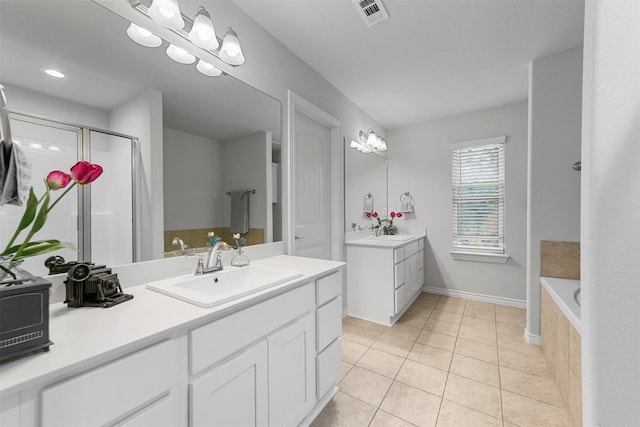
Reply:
x=312, y=188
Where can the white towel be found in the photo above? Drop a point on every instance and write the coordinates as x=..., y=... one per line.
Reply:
x=15, y=175
x=239, y=211
x=367, y=203
x=406, y=203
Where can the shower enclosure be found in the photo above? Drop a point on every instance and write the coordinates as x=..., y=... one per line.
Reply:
x=100, y=218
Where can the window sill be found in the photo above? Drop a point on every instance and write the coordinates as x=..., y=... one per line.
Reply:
x=478, y=257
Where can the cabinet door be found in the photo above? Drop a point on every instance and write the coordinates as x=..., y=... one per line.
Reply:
x=292, y=372
x=233, y=394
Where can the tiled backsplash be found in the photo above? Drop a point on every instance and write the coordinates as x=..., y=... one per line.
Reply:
x=197, y=238
x=560, y=259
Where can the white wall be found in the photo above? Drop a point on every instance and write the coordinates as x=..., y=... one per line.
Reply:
x=555, y=96
x=247, y=166
x=141, y=116
x=610, y=268
x=193, y=190
x=420, y=162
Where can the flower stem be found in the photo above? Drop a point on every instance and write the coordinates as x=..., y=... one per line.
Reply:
x=61, y=196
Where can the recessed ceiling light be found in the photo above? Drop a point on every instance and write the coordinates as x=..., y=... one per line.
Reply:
x=53, y=73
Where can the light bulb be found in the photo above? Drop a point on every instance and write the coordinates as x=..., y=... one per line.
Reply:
x=180, y=55
x=166, y=13
x=231, y=52
x=202, y=32
x=208, y=69
x=54, y=73
x=142, y=36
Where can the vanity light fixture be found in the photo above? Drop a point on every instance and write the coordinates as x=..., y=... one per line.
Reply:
x=166, y=13
x=180, y=55
x=208, y=69
x=202, y=32
x=142, y=36
x=231, y=51
x=369, y=142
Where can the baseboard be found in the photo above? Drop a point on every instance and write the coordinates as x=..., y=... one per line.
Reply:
x=345, y=312
x=319, y=407
x=475, y=297
x=530, y=338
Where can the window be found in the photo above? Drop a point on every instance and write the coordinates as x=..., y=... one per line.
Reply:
x=478, y=200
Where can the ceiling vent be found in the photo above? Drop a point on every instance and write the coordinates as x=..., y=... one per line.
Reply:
x=372, y=11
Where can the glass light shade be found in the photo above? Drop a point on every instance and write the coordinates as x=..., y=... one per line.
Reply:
x=231, y=51
x=208, y=69
x=166, y=13
x=202, y=32
x=180, y=55
x=142, y=36
x=372, y=139
x=354, y=144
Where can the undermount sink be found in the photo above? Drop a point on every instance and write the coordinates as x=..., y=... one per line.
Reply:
x=222, y=286
x=393, y=237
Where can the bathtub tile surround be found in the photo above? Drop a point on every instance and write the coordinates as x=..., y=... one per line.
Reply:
x=197, y=237
x=440, y=377
x=560, y=259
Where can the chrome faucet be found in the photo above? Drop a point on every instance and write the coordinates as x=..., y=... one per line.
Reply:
x=214, y=260
x=178, y=241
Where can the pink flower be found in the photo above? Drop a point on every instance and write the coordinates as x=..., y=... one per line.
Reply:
x=57, y=180
x=399, y=214
x=375, y=215
x=392, y=214
x=368, y=214
x=84, y=172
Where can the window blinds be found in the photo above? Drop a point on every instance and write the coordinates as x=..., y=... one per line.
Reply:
x=478, y=197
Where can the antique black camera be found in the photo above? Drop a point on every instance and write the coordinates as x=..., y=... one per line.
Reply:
x=89, y=285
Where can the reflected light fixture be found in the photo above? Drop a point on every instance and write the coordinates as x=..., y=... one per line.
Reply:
x=166, y=13
x=369, y=142
x=202, y=32
x=180, y=55
x=53, y=73
x=208, y=69
x=142, y=36
x=231, y=51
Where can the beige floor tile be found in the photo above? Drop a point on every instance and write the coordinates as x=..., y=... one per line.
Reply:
x=377, y=327
x=507, y=329
x=482, y=336
x=488, y=353
x=349, y=321
x=436, y=339
x=512, y=319
x=525, y=412
x=478, y=323
x=454, y=415
x=443, y=327
x=479, y=305
x=532, y=386
x=344, y=370
x=424, y=377
x=352, y=352
x=381, y=362
x=392, y=344
x=517, y=344
x=361, y=335
x=475, y=369
x=447, y=316
x=383, y=419
x=479, y=313
x=365, y=385
x=474, y=395
x=452, y=306
x=411, y=404
x=522, y=362
x=415, y=320
x=514, y=311
x=431, y=356
x=407, y=332
x=344, y=411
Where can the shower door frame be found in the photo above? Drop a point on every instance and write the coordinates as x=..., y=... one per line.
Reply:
x=83, y=138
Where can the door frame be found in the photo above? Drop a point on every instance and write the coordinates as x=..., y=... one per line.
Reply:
x=298, y=104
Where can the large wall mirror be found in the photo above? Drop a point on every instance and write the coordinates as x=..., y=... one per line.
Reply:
x=219, y=135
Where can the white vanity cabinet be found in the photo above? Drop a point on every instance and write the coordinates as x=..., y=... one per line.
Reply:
x=383, y=279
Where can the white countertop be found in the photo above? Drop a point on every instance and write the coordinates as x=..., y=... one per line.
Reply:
x=561, y=291
x=85, y=336
x=380, y=243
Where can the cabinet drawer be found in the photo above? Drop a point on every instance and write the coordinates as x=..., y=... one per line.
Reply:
x=329, y=287
x=329, y=323
x=398, y=275
x=398, y=255
x=221, y=338
x=106, y=394
x=329, y=367
x=410, y=249
x=400, y=299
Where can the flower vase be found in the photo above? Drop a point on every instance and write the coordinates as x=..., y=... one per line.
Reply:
x=389, y=230
x=240, y=259
x=11, y=273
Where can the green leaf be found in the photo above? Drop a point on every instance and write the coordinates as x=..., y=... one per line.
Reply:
x=43, y=248
x=41, y=218
x=13, y=249
x=29, y=211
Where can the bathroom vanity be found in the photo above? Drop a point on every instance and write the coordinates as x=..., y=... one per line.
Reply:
x=385, y=275
x=271, y=358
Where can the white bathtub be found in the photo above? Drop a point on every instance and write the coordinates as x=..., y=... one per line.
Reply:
x=562, y=292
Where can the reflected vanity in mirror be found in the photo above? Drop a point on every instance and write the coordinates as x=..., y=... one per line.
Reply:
x=218, y=134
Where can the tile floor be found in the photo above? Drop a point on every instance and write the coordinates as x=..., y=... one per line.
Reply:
x=446, y=362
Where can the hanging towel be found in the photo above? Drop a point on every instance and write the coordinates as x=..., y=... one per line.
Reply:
x=367, y=203
x=239, y=211
x=15, y=175
x=406, y=203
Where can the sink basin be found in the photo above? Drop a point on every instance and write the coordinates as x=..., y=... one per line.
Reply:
x=223, y=286
x=393, y=238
